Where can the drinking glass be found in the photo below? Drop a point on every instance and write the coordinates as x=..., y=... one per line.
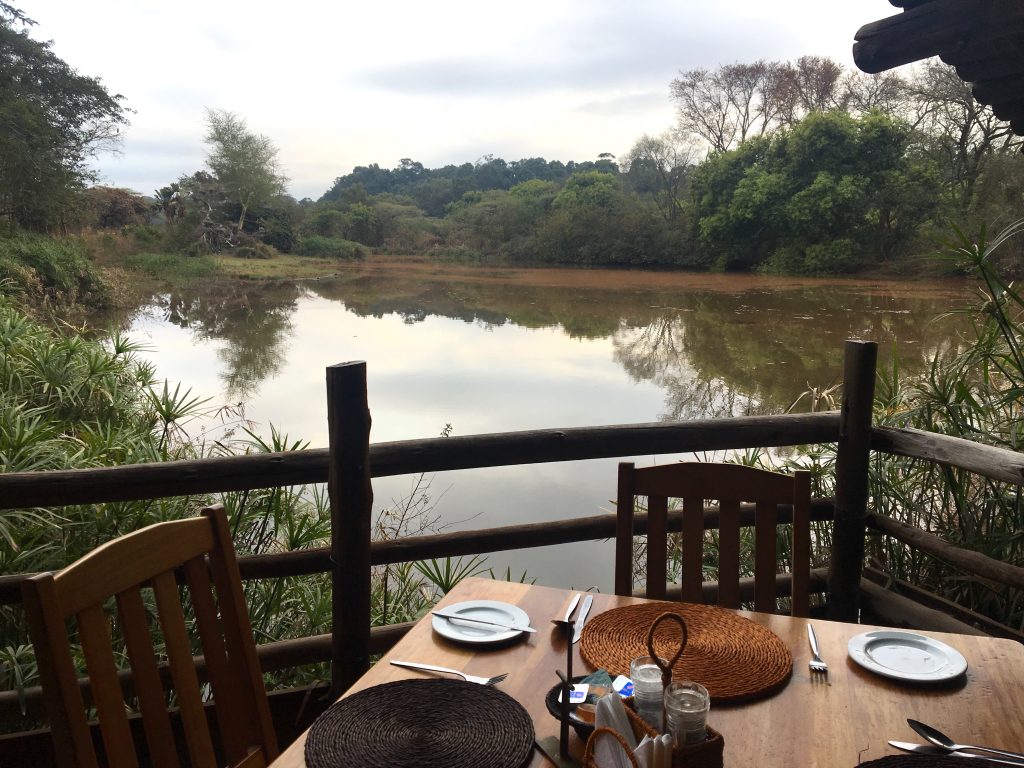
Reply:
x=648, y=692
x=686, y=710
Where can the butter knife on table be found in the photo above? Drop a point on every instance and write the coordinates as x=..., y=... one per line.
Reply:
x=584, y=610
x=931, y=749
x=503, y=625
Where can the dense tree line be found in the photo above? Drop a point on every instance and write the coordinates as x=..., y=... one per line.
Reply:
x=783, y=166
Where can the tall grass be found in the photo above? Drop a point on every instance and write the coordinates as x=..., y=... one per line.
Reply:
x=972, y=389
x=50, y=273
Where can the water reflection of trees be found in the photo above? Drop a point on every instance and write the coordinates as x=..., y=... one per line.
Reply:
x=713, y=353
x=253, y=320
x=722, y=355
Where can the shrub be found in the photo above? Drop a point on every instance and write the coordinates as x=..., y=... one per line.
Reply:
x=51, y=272
x=329, y=247
x=253, y=251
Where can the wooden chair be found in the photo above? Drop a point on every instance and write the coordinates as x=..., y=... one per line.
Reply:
x=138, y=570
x=729, y=484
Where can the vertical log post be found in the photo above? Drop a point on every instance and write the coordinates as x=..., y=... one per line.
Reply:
x=348, y=485
x=852, y=460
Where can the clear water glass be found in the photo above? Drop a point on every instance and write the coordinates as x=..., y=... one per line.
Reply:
x=686, y=710
x=648, y=692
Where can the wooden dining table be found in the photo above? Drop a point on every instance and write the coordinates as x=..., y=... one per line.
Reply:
x=842, y=719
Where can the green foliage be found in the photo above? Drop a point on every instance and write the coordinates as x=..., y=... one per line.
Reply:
x=181, y=267
x=253, y=251
x=69, y=402
x=833, y=194
x=973, y=391
x=329, y=247
x=244, y=163
x=49, y=272
x=52, y=121
x=433, y=189
x=111, y=208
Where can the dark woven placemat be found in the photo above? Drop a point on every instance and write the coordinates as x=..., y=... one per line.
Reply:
x=733, y=657
x=920, y=761
x=428, y=723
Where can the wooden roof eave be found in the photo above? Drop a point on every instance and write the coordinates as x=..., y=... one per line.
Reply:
x=938, y=27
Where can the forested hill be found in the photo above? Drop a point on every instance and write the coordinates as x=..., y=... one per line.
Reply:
x=434, y=188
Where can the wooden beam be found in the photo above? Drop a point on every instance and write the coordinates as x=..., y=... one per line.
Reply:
x=942, y=605
x=453, y=544
x=918, y=33
x=852, y=458
x=974, y=563
x=272, y=470
x=989, y=461
x=351, y=495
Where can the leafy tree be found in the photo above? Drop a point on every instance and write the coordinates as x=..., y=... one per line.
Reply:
x=113, y=208
x=831, y=195
x=52, y=121
x=244, y=163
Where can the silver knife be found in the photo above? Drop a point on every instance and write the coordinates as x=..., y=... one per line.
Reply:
x=587, y=602
x=931, y=749
x=488, y=622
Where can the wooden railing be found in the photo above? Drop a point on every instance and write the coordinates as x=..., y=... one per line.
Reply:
x=351, y=461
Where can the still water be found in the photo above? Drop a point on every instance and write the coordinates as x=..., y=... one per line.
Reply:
x=478, y=350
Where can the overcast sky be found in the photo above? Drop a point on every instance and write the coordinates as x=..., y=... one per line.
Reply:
x=341, y=84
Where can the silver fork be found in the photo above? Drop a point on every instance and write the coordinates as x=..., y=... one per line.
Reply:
x=463, y=675
x=817, y=664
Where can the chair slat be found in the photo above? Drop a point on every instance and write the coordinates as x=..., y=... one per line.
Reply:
x=163, y=752
x=729, y=554
x=64, y=704
x=94, y=634
x=765, y=551
x=238, y=635
x=233, y=714
x=693, y=550
x=657, y=547
x=186, y=683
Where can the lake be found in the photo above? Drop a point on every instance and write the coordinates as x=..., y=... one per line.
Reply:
x=478, y=349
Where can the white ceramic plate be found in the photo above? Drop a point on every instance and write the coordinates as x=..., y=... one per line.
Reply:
x=490, y=610
x=906, y=656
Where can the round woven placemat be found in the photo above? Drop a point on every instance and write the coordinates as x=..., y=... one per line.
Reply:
x=920, y=761
x=733, y=657
x=426, y=723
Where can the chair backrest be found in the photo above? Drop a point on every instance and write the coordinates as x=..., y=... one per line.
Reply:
x=138, y=571
x=697, y=483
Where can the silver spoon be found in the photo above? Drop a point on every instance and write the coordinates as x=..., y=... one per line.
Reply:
x=939, y=739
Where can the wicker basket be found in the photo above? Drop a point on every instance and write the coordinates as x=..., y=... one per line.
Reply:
x=706, y=754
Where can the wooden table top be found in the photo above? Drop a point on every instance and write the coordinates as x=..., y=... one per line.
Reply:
x=842, y=721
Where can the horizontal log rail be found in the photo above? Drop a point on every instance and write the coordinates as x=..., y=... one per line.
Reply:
x=272, y=470
x=455, y=544
x=995, y=463
x=974, y=563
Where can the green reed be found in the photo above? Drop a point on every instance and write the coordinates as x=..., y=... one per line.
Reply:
x=68, y=401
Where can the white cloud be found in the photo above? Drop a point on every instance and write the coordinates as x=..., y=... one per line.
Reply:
x=351, y=84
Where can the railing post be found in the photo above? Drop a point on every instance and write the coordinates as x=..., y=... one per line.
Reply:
x=852, y=461
x=351, y=495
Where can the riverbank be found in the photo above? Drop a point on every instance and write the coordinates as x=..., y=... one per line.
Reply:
x=288, y=267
